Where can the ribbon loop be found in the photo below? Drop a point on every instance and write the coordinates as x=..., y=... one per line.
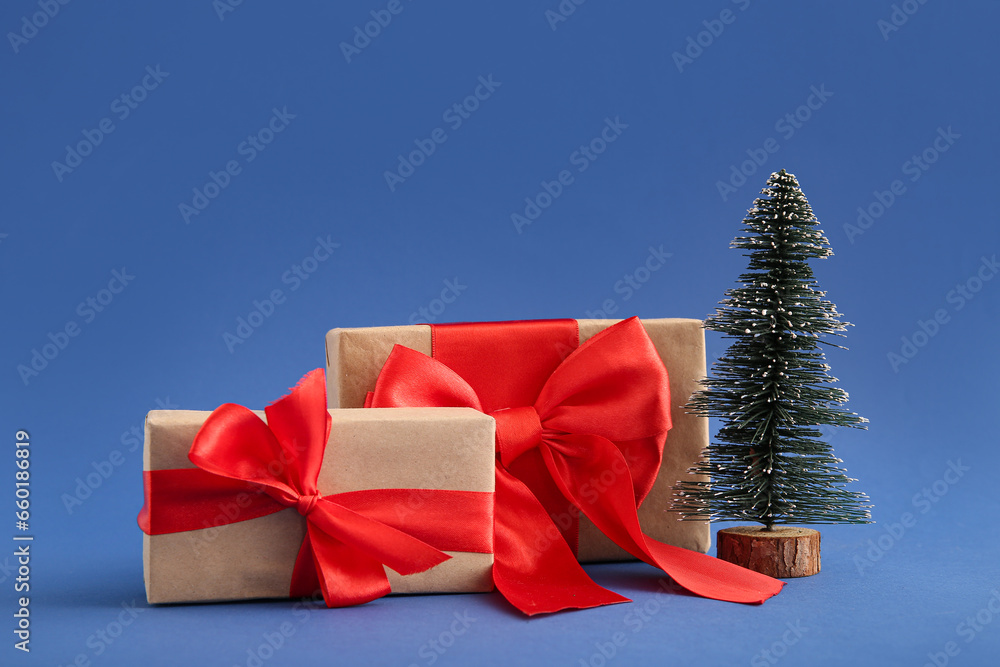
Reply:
x=518, y=430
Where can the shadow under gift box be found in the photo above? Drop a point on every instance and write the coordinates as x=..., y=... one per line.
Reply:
x=355, y=356
x=390, y=448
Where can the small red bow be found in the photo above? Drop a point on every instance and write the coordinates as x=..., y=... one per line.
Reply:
x=344, y=550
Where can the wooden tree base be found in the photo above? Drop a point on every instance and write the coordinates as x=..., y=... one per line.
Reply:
x=783, y=552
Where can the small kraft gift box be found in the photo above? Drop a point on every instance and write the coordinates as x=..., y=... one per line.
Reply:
x=351, y=503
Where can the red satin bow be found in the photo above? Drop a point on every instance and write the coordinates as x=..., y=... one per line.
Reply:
x=343, y=550
x=612, y=389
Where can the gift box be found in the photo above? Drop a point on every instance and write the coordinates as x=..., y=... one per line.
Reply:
x=403, y=468
x=355, y=358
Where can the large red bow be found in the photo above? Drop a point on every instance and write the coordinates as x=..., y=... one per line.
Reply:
x=612, y=389
x=344, y=550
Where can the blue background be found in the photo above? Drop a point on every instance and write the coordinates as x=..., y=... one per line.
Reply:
x=888, y=594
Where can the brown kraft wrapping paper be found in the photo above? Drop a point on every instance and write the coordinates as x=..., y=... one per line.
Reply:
x=401, y=448
x=354, y=358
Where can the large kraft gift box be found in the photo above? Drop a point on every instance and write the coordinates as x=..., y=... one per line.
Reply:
x=407, y=448
x=355, y=357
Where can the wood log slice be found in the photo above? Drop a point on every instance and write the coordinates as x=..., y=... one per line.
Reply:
x=782, y=552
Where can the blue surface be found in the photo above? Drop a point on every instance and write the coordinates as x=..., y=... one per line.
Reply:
x=878, y=96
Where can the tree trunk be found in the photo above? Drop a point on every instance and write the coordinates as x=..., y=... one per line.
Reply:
x=783, y=552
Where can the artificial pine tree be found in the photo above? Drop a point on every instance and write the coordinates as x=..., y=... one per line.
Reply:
x=772, y=391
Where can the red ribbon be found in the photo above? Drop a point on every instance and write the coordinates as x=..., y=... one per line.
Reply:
x=571, y=431
x=253, y=469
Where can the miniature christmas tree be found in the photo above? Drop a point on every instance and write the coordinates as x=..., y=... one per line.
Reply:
x=772, y=391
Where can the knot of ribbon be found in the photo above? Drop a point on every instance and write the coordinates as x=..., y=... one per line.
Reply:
x=590, y=439
x=344, y=548
x=307, y=503
x=518, y=431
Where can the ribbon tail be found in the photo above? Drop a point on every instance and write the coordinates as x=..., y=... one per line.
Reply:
x=397, y=549
x=613, y=511
x=305, y=578
x=534, y=568
x=712, y=577
x=346, y=575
